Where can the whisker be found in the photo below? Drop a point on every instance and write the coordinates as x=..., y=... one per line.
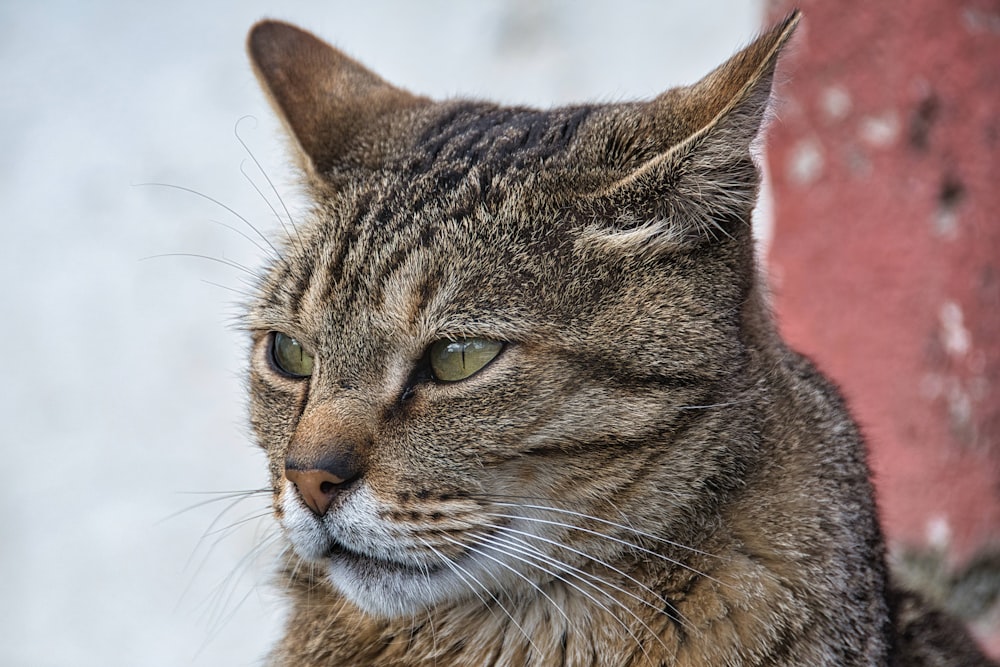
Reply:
x=223, y=592
x=512, y=569
x=269, y=250
x=291, y=221
x=263, y=237
x=666, y=603
x=221, y=496
x=211, y=529
x=220, y=596
x=267, y=201
x=217, y=538
x=225, y=262
x=606, y=522
x=239, y=292
x=593, y=581
x=334, y=617
x=456, y=567
x=220, y=604
x=611, y=538
x=225, y=530
x=491, y=545
x=452, y=566
x=434, y=637
x=713, y=405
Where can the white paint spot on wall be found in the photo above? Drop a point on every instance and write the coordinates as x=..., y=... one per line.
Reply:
x=979, y=21
x=836, y=102
x=806, y=162
x=938, y=531
x=954, y=336
x=959, y=410
x=945, y=224
x=880, y=131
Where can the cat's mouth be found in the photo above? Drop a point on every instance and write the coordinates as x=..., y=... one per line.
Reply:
x=382, y=586
x=340, y=554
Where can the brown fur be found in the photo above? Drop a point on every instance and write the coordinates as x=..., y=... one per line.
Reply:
x=645, y=475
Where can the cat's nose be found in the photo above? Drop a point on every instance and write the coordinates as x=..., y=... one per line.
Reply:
x=318, y=486
x=326, y=453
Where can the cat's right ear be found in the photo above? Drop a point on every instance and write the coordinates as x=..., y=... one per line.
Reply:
x=702, y=183
x=338, y=112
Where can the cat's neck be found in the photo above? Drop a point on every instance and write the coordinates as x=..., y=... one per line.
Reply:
x=723, y=613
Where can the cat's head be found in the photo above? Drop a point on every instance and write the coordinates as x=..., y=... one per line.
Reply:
x=490, y=345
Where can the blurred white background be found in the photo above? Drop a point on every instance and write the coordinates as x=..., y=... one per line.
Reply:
x=120, y=377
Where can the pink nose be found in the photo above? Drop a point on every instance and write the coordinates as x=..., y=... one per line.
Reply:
x=318, y=488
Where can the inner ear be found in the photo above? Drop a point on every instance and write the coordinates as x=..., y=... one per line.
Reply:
x=703, y=185
x=332, y=106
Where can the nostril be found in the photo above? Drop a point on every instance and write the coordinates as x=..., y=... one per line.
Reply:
x=317, y=488
x=320, y=479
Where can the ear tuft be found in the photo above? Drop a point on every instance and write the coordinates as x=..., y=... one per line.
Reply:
x=332, y=106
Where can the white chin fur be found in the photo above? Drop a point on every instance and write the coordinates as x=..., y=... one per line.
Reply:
x=380, y=585
x=385, y=591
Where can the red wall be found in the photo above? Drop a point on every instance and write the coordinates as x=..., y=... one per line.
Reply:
x=885, y=260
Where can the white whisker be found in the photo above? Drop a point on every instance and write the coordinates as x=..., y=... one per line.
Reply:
x=666, y=603
x=590, y=579
x=712, y=405
x=260, y=168
x=269, y=250
x=458, y=569
x=246, y=295
x=605, y=522
x=492, y=544
x=219, y=606
x=611, y=538
x=219, y=260
x=276, y=255
x=511, y=569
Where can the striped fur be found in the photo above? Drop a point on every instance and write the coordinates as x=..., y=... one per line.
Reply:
x=645, y=475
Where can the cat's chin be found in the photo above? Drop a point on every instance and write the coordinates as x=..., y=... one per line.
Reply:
x=382, y=588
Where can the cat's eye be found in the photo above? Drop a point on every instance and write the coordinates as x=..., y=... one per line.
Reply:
x=290, y=357
x=453, y=360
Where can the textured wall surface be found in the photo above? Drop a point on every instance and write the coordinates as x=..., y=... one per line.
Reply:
x=885, y=263
x=119, y=377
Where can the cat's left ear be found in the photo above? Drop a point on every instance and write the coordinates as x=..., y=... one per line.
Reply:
x=704, y=184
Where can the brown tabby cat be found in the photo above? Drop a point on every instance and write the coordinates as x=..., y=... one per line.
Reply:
x=523, y=400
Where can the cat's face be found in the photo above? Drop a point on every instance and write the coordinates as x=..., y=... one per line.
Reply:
x=483, y=356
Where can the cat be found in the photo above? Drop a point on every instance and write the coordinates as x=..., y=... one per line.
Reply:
x=523, y=400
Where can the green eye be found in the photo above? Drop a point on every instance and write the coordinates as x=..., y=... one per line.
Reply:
x=453, y=360
x=290, y=357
